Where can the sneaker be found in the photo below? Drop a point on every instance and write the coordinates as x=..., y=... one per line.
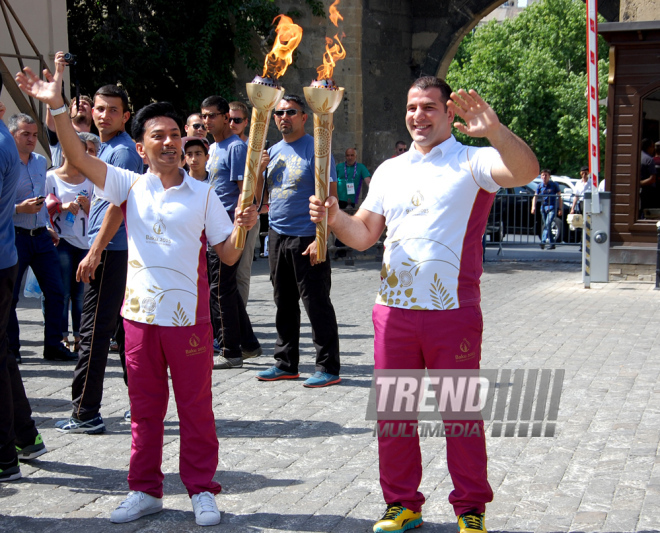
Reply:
x=136, y=505
x=398, y=518
x=551, y=247
x=94, y=426
x=216, y=346
x=32, y=451
x=10, y=473
x=222, y=362
x=127, y=415
x=321, y=379
x=274, y=373
x=114, y=345
x=249, y=354
x=206, y=511
x=542, y=245
x=472, y=522
x=59, y=353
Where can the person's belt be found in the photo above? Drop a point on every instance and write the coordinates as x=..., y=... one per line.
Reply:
x=31, y=232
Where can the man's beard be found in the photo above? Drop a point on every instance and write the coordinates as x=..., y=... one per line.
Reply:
x=81, y=120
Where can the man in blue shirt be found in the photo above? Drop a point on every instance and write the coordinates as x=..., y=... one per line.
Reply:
x=549, y=191
x=18, y=433
x=294, y=269
x=35, y=242
x=234, y=338
x=104, y=268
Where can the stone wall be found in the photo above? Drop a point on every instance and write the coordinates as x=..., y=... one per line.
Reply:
x=348, y=73
x=639, y=10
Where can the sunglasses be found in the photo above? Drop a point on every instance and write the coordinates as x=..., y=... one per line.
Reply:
x=236, y=120
x=400, y=150
x=288, y=112
x=198, y=126
x=210, y=115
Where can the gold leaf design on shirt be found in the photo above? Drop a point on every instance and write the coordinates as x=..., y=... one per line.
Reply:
x=150, y=318
x=440, y=296
x=180, y=318
x=135, y=263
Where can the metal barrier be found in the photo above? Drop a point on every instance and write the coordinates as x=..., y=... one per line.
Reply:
x=510, y=220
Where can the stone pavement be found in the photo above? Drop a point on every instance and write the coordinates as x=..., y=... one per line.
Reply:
x=293, y=459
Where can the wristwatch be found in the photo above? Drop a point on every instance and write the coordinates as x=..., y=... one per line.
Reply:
x=59, y=110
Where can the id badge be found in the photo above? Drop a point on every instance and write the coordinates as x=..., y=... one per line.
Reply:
x=350, y=188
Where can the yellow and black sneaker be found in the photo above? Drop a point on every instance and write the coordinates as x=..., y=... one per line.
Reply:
x=472, y=522
x=397, y=518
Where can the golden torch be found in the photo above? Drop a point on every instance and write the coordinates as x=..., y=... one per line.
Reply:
x=264, y=93
x=323, y=97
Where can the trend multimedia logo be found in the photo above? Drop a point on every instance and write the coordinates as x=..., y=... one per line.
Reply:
x=522, y=402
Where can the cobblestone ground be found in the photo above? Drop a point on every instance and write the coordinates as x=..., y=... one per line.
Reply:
x=293, y=459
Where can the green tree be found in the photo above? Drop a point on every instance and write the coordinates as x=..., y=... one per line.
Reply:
x=168, y=50
x=532, y=71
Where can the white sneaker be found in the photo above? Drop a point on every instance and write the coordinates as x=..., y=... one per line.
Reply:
x=206, y=511
x=136, y=505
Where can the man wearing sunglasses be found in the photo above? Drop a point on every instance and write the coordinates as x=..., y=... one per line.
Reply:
x=195, y=126
x=238, y=119
x=232, y=330
x=238, y=122
x=295, y=271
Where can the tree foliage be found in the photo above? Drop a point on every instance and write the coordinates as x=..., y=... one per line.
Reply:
x=532, y=70
x=169, y=50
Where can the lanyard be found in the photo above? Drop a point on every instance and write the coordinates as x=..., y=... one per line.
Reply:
x=346, y=172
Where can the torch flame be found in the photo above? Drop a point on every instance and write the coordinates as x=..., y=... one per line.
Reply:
x=333, y=52
x=335, y=15
x=288, y=37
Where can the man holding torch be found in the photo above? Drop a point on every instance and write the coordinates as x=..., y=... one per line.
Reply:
x=427, y=312
x=170, y=218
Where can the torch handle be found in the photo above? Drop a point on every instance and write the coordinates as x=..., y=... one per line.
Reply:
x=256, y=142
x=322, y=150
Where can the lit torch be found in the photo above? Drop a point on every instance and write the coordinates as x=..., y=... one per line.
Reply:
x=264, y=93
x=323, y=97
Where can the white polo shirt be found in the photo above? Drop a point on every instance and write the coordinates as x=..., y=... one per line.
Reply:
x=435, y=207
x=168, y=231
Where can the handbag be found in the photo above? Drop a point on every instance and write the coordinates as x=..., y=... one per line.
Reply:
x=575, y=221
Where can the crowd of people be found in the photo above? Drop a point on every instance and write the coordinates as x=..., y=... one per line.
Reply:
x=147, y=225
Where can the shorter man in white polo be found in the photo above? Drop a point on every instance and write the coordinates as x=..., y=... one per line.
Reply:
x=170, y=217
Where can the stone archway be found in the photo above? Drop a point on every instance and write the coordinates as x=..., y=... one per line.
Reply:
x=460, y=18
x=400, y=41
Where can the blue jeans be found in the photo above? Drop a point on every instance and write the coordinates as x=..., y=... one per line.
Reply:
x=548, y=217
x=39, y=252
x=70, y=257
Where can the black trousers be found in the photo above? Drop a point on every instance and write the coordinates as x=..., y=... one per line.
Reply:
x=100, y=320
x=16, y=424
x=231, y=324
x=294, y=278
x=40, y=253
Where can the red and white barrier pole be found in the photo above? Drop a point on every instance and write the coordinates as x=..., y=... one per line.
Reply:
x=592, y=80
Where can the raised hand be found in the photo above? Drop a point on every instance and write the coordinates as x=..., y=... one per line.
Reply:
x=48, y=90
x=480, y=119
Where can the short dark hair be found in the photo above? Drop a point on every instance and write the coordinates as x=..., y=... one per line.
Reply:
x=431, y=82
x=296, y=100
x=113, y=91
x=646, y=143
x=546, y=171
x=400, y=143
x=158, y=109
x=218, y=102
